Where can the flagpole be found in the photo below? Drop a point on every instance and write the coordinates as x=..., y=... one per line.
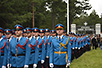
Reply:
x=67, y=16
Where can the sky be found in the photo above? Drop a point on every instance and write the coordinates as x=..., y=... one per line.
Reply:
x=96, y=5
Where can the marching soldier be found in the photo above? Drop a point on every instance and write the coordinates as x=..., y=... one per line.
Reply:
x=53, y=33
x=60, y=51
x=13, y=33
x=64, y=33
x=47, y=35
x=41, y=33
x=25, y=33
x=8, y=35
x=38, y=49
x=32, y=44
x=19, y=50
x=3, y=49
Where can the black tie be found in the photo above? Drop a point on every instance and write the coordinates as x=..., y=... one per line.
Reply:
x=8, y=43
x=17, y=39
x=59, y=38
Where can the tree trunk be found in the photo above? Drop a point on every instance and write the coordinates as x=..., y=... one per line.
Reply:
x=33, y=14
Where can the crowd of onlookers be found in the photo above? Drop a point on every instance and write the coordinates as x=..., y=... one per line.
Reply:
x=96, y=41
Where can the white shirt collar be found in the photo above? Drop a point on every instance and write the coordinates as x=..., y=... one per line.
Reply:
x=43, y=37
x=19, y=37
x=34, y=36
x=30, y=38
x=47, y=36
x=60, y=36
x=9, y=39
x=37, y=38
x=1, y=39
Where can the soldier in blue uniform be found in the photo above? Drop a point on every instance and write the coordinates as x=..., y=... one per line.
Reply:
x=8, y=35
x=19, y=50
x=24, y=33
x=64, y=33
x=13, y=33
x=41, y=33
x=60, y=51
x=32, y=44
x=53, y=33
x=38, y=49
x=47, y=34
x=3, y=49
x=88, y=43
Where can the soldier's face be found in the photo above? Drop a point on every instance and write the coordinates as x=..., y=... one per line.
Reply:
x=18, y=33
x=1, y=34
x=25, y=34
x=33, y=34
x=59, y=31
x=14, y=36
x=64, y=34
x=8, y=35
x=41, y=34
x=53, y=34
x=36, y=34
x=29, y=34
x=47, y=33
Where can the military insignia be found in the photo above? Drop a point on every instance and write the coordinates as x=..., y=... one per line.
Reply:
x=35, y=30
x=17, y=27
x=46, y=30
x=7, y=30
x=56, y=38
x=63, y=37
x=59, y=26
x=41, y=30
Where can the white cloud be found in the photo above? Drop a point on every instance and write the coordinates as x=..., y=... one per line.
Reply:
x=96, y=5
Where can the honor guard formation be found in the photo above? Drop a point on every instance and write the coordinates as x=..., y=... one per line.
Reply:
x=40, y=48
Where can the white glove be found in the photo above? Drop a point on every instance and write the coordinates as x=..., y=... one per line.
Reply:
x=3, y=66
x=51, y=65
x=79, y=48
x=9, y=65
x=34, y=65
x=47, y=56
x=25, y=66
x=67, y=65
x=75, y=47
x=42, y=61
x=72, y=48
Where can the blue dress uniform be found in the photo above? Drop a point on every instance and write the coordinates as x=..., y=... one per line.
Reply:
x=43, y=49
x=81, y=49
x=53, y=31
x=88, y=44
x=8, y=31
x=3, y=48
x=32, y=44
x=38, y=50
x=19, y=50
x=60, y=51
x=43, y=46
x=48, y=48
x=72, y=47
x=78, y=45
x=25, y=31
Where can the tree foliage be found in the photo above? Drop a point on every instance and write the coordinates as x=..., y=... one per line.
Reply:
x=47, y=13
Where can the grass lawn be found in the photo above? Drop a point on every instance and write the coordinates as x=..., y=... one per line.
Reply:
x=91, y=59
